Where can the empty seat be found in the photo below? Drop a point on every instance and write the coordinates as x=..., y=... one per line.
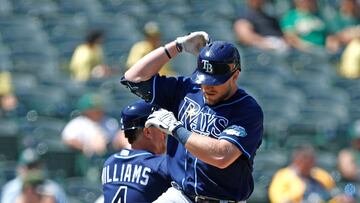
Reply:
x=184, y=64
x=87, y=7
x=9, y=139
x=135, y=8
x=178, y=8
x=60, y=159
x=85, y=190
x=35, y=7
x=47, y=100
x=222, y=8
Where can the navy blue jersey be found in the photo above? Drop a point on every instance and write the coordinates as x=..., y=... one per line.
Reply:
x=134, y=176
x=238, y=120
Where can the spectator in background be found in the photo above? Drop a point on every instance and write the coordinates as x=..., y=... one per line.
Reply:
x=29, y=166
x=34, y=190
x=152, y=41
x=8, y=100
x=345, y=23
x=302, y=181
x=306, y=31
x=93, y=132
x=87, y=61
x=349, y=158
x=350, y=60
x=256, y=28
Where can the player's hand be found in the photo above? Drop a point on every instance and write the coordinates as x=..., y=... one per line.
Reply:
x=193, y=42
x=164, y=120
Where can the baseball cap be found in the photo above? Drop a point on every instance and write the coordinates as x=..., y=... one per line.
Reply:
x=213, y=67
x=89, y=101
x=29, y=156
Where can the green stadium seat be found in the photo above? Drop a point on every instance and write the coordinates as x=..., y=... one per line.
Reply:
x=136, y=8
x=84, y=190
x=35, y=7
x=6, y=8
x=47, y=101
x=9, y=139
x=87, y=7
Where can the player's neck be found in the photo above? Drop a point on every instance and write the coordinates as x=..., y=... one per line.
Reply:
x=142, y=145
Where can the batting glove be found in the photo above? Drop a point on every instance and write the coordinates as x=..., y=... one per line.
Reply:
x=192, y=42
x=164, y=120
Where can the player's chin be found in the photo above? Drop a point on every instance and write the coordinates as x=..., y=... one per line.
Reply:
x=210, y=101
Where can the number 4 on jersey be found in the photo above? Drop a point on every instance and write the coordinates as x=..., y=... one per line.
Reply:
x=120, y=196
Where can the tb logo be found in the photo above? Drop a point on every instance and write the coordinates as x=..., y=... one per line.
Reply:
x=207, y=66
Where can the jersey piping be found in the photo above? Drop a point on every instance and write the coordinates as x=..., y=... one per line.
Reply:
x=132, y=156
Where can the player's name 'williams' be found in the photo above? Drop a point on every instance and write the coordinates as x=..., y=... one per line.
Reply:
x=131, y=173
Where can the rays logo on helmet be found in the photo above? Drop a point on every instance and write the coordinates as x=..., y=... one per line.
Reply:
x=236, y=130
x=207, y=66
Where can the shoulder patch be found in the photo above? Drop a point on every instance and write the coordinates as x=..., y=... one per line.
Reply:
x=236, y=131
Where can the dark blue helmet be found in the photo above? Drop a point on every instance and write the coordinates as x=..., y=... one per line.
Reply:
x=213, y=63
x=135, y=115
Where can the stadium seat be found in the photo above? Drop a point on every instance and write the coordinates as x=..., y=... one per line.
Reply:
x=169, y=31
x=23, y=82
x=47, y=101
x=81, y=188
x=37, y=48
x=114, y=24
x=6, y=8
x=87, y=7
x=222, y=9
x=5, y=60
x=327, y=159
x=9, y=139
x=60, y=160
x=184, y=64
x=7, y=171
x=179, y=8
x=39, y=8
x=136, y=8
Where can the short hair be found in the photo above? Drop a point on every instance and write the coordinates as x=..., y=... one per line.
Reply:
x=303, y=151
x=94, y=35
x=133, y=134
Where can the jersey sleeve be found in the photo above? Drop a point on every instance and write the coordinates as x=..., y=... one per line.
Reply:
x=169, y=91
x=246, y=134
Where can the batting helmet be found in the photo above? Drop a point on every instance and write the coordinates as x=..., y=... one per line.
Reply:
x=213, y=63
x=135, y=115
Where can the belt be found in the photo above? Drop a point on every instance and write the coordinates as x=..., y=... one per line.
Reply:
x=205, y=199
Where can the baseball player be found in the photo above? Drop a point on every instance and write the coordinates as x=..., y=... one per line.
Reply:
x=138, y=174
x=216, y=126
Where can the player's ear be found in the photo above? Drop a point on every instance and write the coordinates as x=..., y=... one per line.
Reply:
x=236, y=75
x=147, y=133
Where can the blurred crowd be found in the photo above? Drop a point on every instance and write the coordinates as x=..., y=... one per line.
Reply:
x=92, y=129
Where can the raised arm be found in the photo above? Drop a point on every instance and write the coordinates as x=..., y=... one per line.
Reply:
x=150, y=64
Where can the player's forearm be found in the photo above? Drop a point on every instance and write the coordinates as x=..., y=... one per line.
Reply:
x=151, y=64
x=219, y=153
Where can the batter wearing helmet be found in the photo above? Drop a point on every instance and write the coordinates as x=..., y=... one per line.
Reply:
x=138, y=174
x=216, y=126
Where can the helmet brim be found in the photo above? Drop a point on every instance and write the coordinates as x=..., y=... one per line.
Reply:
x=201, y=78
